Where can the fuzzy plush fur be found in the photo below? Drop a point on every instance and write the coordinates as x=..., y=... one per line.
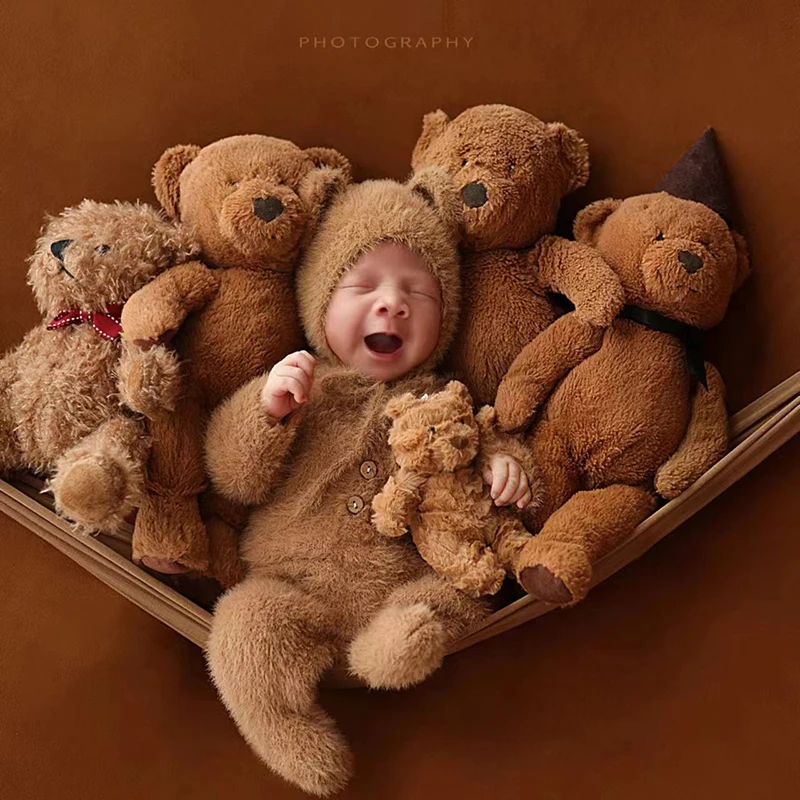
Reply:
x=250, y=202
x=439, y=495
x=59, y=410
x=512, y=171
x=627, y=421
x=323, y=586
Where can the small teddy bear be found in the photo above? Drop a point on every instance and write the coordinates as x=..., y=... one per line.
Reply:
x=251, y=202
x=439, y=492
x=59, y=410
x=643, y=414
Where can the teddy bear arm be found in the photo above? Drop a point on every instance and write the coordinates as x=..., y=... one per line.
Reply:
x=246, y=449
x=540, y=365
x=149, y=381
x=10, y=456
x=153, y=314
x=393, y=508
x=705, y=442
x=579, y=272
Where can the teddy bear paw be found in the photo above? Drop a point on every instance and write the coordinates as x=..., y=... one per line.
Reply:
x=484, y=576
x=150, y=380
x=555, y=572
x=93, y=493
x=402, y=646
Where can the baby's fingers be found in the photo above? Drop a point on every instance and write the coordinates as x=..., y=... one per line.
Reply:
x=499, y=480
x=511, y=489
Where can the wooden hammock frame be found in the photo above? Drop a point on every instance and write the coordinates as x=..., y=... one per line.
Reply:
x=757, y=431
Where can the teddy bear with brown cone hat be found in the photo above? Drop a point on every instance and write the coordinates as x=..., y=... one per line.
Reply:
x=644, y=414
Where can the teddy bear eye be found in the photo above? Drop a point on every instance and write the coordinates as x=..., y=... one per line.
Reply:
x=659, y=237
x=512, y=165
x=102, y=249
x=463, y=162
x=432, y=429
x=234, y=184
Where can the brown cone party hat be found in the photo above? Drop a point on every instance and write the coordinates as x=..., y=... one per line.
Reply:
x=699, y=175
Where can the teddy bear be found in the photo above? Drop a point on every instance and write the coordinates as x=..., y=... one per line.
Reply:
x=439, y=494
x=59, y=409
x=512, y=171
x=644, y=415
x=251, y=203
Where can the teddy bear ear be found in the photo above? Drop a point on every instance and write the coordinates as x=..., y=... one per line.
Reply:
x=435, y=186
x=398, y=406
x=328, y=157
x=742, y=259
x=575, y=154
x=433, y=126
x=167, y=176
x=590, y=219
x=460, y=391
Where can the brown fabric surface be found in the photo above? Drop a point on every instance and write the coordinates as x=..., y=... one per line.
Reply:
x=677, y=678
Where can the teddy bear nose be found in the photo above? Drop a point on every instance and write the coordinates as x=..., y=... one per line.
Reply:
x=267, y=208
x=691, y=263
x=474, y=195
x=58, y=248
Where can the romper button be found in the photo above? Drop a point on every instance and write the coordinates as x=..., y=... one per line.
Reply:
x=355, y=504
x=369, y=469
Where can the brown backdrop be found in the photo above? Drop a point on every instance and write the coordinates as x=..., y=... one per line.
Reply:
x=678, y=677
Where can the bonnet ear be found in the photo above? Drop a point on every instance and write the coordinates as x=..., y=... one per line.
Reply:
x=398, y=406
x=318, y=190
x=167, y=176
x=435, y=186
x=328, y=157
x=590, y=219
x=742, y=259
x=574, y=155
x=433, y=126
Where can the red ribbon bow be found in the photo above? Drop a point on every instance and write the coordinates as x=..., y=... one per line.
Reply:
x=107, y=323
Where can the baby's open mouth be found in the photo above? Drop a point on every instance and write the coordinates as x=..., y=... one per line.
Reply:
x=385, y=343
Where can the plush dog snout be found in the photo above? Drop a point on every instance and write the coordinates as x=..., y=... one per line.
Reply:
x=690, y=262
x=58, y=248
x=267, y=208
x=474, y=195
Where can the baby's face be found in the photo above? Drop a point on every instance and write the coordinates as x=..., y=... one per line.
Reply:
x=385, y=315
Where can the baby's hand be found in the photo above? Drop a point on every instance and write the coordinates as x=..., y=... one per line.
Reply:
x=289, y=384
x=508, y=481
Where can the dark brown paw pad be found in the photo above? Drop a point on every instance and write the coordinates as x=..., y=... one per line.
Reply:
x=544, y=585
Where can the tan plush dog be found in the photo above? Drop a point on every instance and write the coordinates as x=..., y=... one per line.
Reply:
x=644, y=413
x=250, y=202
x=59, y=409
x=512, y=171
x=439, y=493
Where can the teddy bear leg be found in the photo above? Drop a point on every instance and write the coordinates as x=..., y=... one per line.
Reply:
x=559, y=478
x=268, y=648
x=469, y=565
x=407, y=639
x=98, y=482
x=556, y=566
x=169, y=535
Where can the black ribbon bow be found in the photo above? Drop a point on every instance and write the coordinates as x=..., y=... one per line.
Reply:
x=691, y=337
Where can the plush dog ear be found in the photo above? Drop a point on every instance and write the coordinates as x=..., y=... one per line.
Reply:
x=574, y=154
x=167, y=176
x=590, y=219
x=433, y=126
x=742, y=259
x=318, y=190
x=328, y=157
x=398, y=406
x=435, y=186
